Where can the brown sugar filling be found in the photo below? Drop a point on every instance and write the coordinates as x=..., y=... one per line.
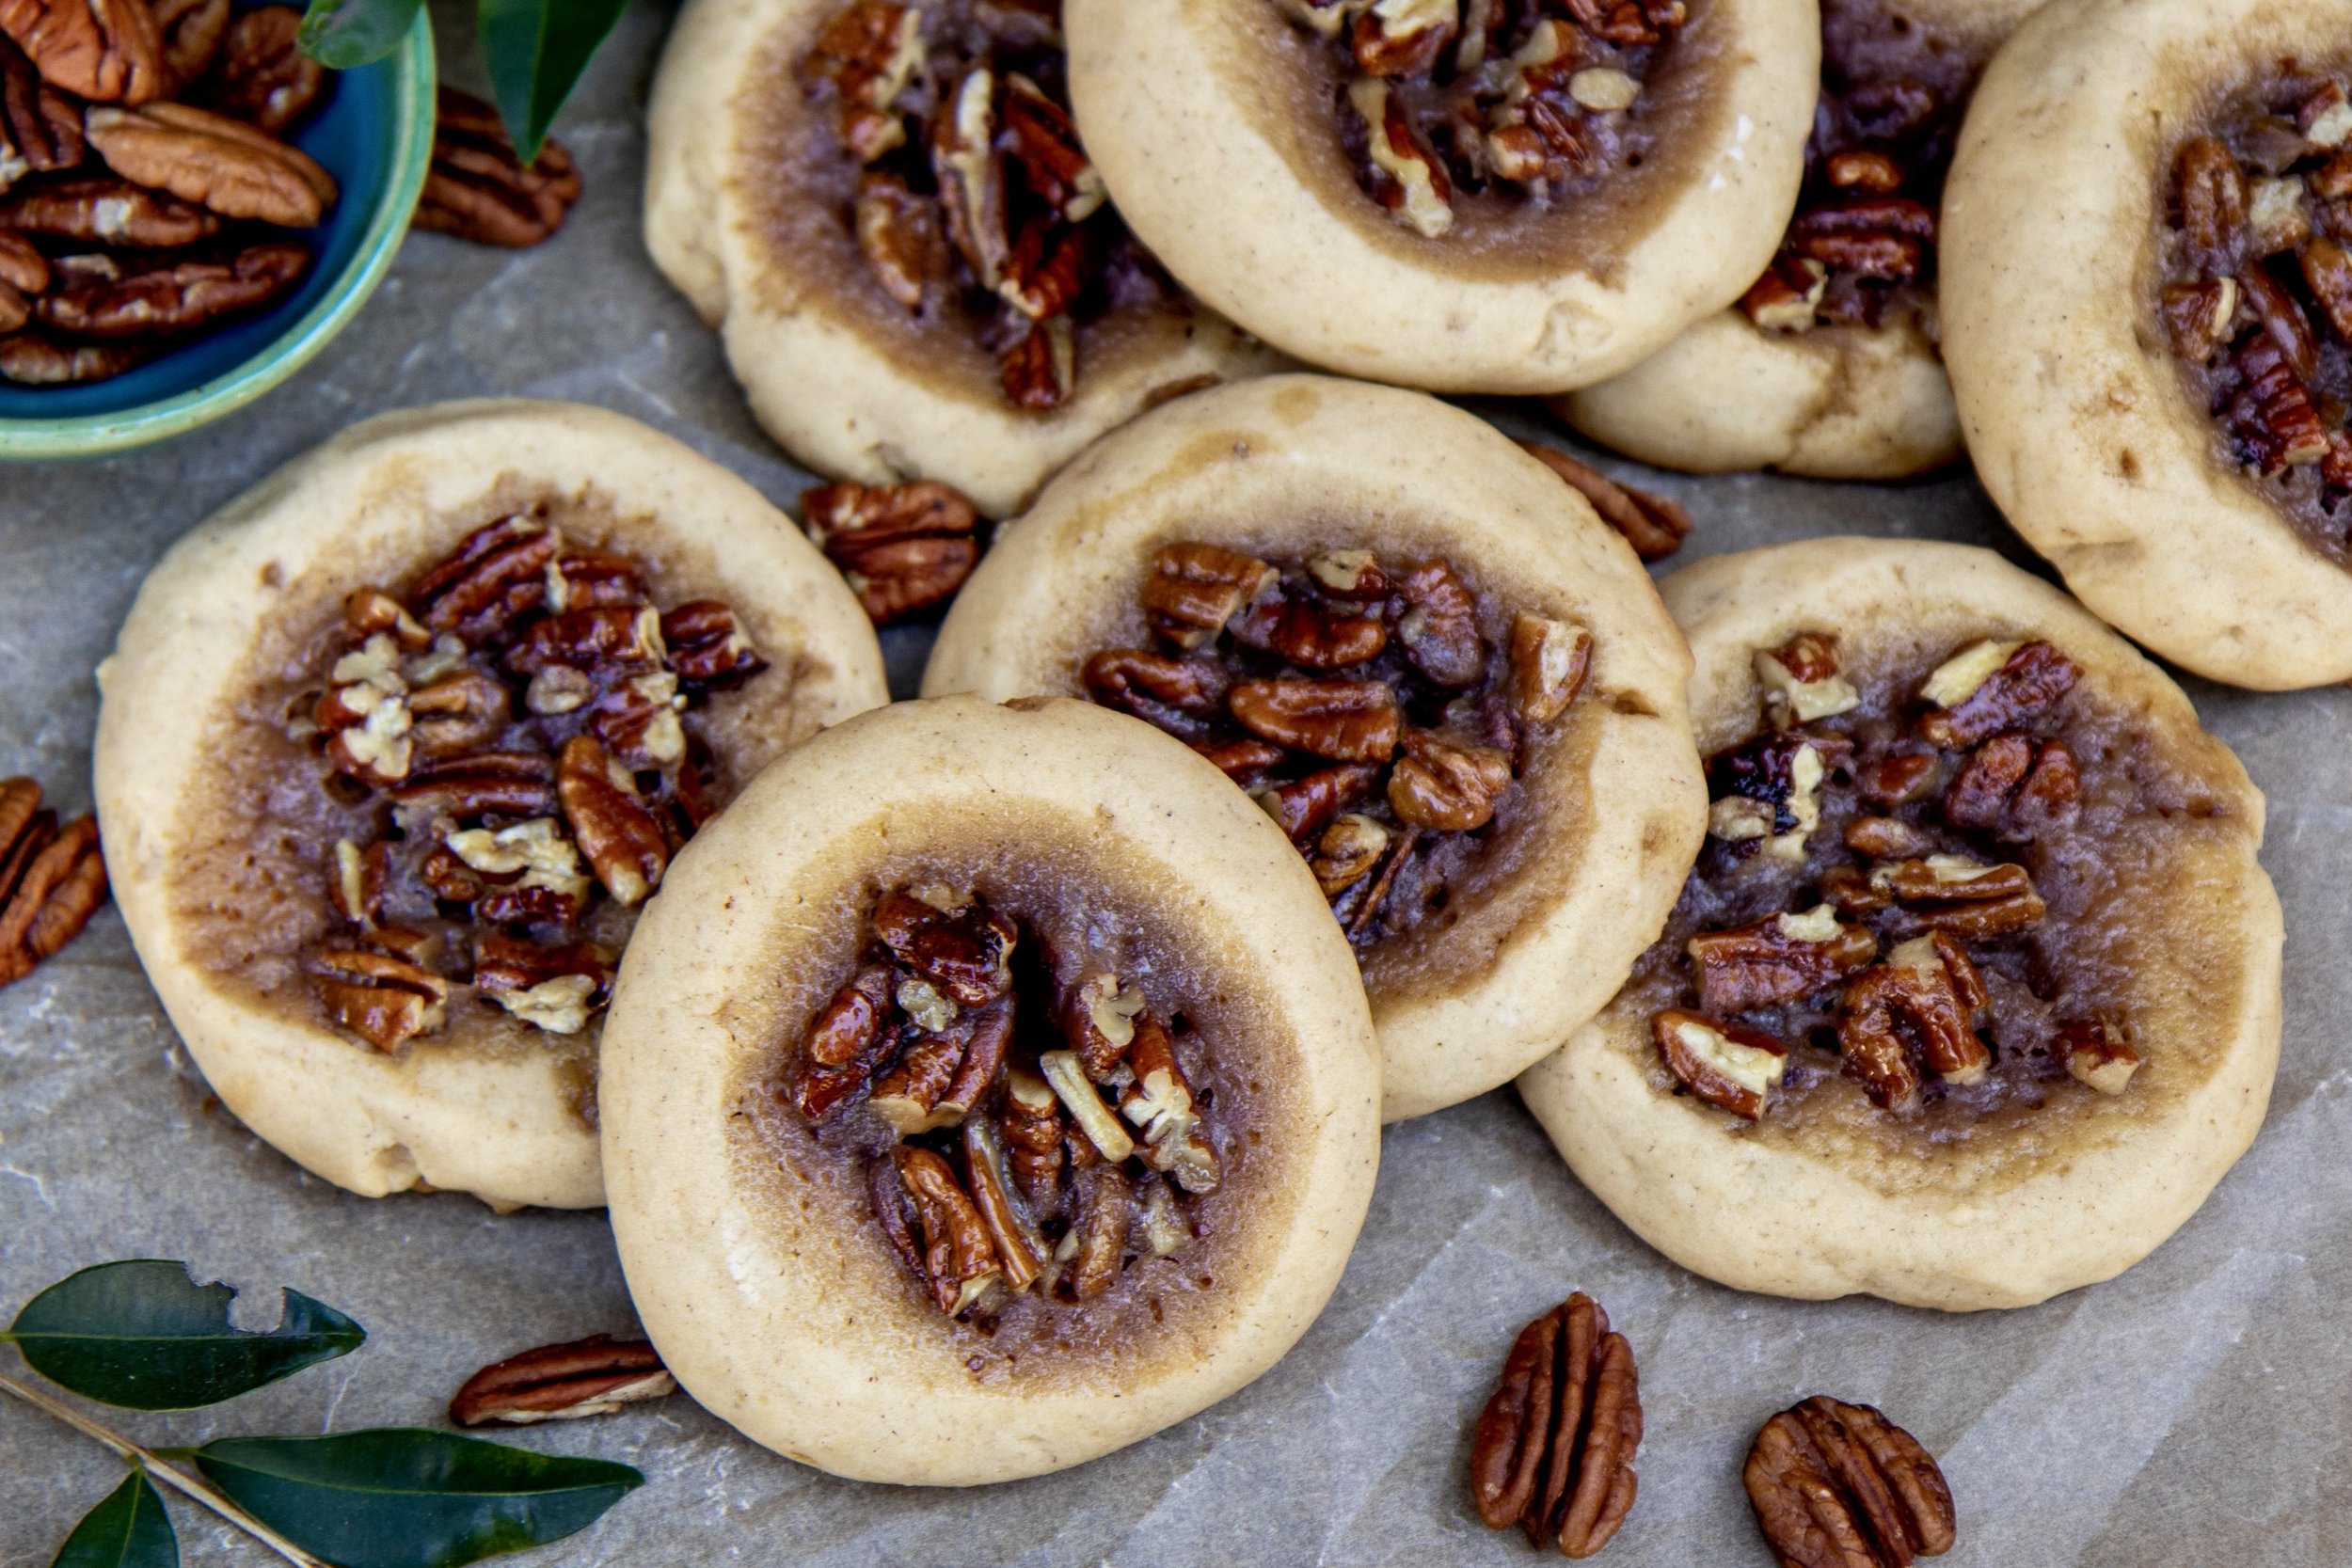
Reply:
x=953, y=164
x=1040, y=1124
x=470, y=781
x=1860, y=250
x=1360, y=701
x=1903, y=884
x=1449, y=109
x=2255, y=265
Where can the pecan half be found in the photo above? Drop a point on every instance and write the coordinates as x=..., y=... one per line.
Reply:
x=1926, y=997
x=1157, y=688
x=1553, y=1450
x=176, y=296
x=959, y=1258
x=1654, y=526
x=2015, y=788
x=106, y=49
x=1039, y=370
x=709, y=648
x=32, y=359
x=223, y=164
x=562, y=1383
x=52, y=878
x=192, y=31
x=478, y=188
x=1344, y=721
x=1784, y=957
x=618, y=835
x=1097, y=1241
x=1439, y=627
x=1306, y=806
x=1195, y=589
x=1731, y=1067
x=263, y=78
x=904, y=548
x=1841, y=1486
x=41, y=128
x=1446, y=786
x=99, y=210
x=385, y=999
x=1950, y=893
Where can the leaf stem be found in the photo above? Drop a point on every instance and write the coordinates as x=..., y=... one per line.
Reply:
x=170, y=1475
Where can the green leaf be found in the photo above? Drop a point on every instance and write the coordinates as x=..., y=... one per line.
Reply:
x=142, y=1333
x=345, y=34
x=130, y=1529
x=536, y=50
x=407, y=1498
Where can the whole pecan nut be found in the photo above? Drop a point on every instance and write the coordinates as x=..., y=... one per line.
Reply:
x=1654, y=526
x=1344, y=721
x=223, y=164
x=1554, y=1449
x=41, y=128
x=904, y=548
x=1837, y=1486
x=618, y=835
x=478, y=188
x=108, y=50
x=52, y=878
x=594, y=1376
x=263, y=78
x=176, y=296
x=99, y=211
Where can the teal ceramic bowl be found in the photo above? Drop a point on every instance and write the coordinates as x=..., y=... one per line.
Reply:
x=374, y=135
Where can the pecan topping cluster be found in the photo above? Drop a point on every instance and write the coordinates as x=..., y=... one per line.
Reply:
x=478, y=188
x=1553, y=1450
x=905, y=548
x=594, y=1376
x=1045, y=1126
x=974, y=201
x=1839, y=1485
x=1523, y=101
x=146, y=192
x=514, y=722
x=1861, y=245
x=1363, y=702
x=1868, y=889
x=52, y=878
x=2257, y=291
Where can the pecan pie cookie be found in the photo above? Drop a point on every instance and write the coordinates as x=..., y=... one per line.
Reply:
x=887, y=213
x=1496, y=195
x=2148, y=315
x=1973, y=994
x=394, y=748
x=1423, y=655
x=1828, y=366
x=987, y=1091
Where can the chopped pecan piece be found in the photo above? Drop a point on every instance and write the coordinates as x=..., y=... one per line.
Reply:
x=1066, y=1076
x=384, y=1000
x=1548, y=662
x=941, y=1076
x=1952, y=893
x=2197, y=316
x=1344, y=721
x=868, y=52
x=1731, y=1067
x=1411, y=180
x=1439, y=627
x=1993, y=687
x=52, y=878
x=1654, y=526
x=220, y=162
x=108, y=50
x=1347, y=851
x=1914, y=1000
x=904, y=548
x=959, y=1258
x=1033, y=1135
x=971, y=174
x=709, y=648
x=1154, y=687
x=1020, y=1246
x=1787, y=298
x=898, y=234
x=478, y=188
x=1160, y=1105
x=1195, y=589
x=1782, y=958
x=553, y=988
x=1553, y=1450
x=1038, y=132
x=1897, y=779
x=1306, y=806
x=594, y=1376
x=1097, y=1242
x=1801, y=680
x=2014, y=787
x=2210, y=190
x=1836, y=1484
x=1317, y=636
x=1446, y=786
x=2098, y=1053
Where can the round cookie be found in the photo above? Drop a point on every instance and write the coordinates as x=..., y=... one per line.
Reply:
x=1664, y=155
x=1856, y=390
x=752, y=209
x=1920, y=1079
x=864, y=1265
x=214, y=773
x=1490, y=936
x=2202, y=537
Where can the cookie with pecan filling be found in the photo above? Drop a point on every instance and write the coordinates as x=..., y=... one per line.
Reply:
x=394, y=749
x=987, y=1091
x=1829, y=365
x=2148, y=315
x=1422, y=654
x=884, y=208
x=1973, y=994
x=1494, y=196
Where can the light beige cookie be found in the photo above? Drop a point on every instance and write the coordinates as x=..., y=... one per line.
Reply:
x=1829, y=367
x=1974, y=993
x=867, y=328
x=1649, y=181
x=988, y=1091
x=266, y=705
x=2213, y=541
x=1501, y=811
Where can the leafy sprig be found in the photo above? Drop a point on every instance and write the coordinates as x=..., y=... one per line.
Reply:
x=142, y=1333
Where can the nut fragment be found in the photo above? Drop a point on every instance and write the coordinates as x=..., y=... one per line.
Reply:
x=1415, y=189
x=1446, y=786
x=384, y=999
x=220, y=162
x=1066, y=1076
x=1992, y=687
x=959, y=1258
x=562, y=1383
x=1554, y=1448
x=1801, y=680
x=1549, y=661
x=478, y=188
x=1780, y=959
x=904, y=548
x=1839, y=1484
x=2099, y=1054
x=1731, y=1067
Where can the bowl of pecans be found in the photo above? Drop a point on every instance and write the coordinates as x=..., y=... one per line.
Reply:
x=189, y=210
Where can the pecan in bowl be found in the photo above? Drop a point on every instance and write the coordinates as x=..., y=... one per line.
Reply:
x=414, y=734
x=1419, y=652
x=1005, y=1058
x=1978, y=938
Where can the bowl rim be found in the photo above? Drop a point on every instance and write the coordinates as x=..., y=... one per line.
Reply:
x=415, y=84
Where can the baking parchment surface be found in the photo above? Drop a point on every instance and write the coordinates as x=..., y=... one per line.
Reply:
x=2194, y=1410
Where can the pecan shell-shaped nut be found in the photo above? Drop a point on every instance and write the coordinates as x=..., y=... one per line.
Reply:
x=52, y=878
x=108, y=50
x=1947, y=892
x=1317, y=636
x=1439, y=627
x=1654, y=526
x=898, y=234
x=1553, y=1450
x=99, y=210
x=620, y=838
x=1780, y=959
x=1445, y=786
x=478, y=188
x=562, y=1383
x=22, y=266
x=1343, y=720
x=904, y=548
x=1241, y=760
x=1194, y=589
x=1549, y=660
x=264, y=79
x=1992, y=687
x=192, y=31
x=32, y=359
x=971, y=174
x=2210, y=190
x=708, y=648
x=1837, y=1486
x=1305, y=807
x=41, y=128
x=176, y=297
x=1105, y=1201
x=959, y=1258
x=1150, y=686
x=384, y=1000
x=1039, y=370
x=220, y=162
x=1731, y=1067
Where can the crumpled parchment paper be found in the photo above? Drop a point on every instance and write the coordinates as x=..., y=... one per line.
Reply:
x=2196, y=1411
